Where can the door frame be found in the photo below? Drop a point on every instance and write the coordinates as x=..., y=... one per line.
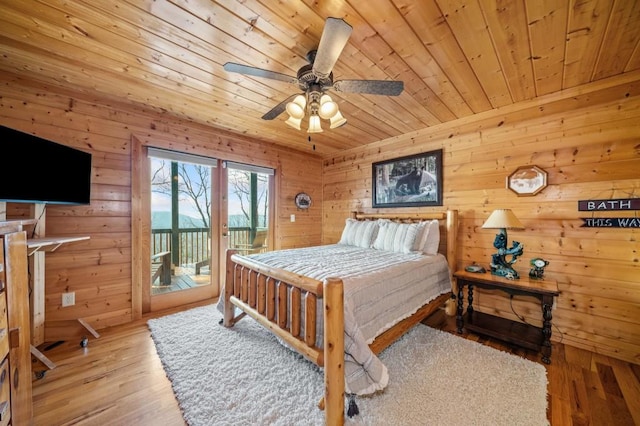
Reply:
x=141, y=220
x=142, y=301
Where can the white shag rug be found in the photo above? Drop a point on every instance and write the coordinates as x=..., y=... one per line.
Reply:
x=243, y=376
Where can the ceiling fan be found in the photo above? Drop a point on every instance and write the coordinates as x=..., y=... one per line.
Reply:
x=315, y=78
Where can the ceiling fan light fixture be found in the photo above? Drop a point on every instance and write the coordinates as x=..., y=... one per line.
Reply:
x=314, y=124
x=328, y=108
x=337, y=120
x=294, y=122
x=315, y=78
x=295, y=108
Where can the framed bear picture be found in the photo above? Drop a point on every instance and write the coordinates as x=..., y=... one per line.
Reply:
x=410, y=181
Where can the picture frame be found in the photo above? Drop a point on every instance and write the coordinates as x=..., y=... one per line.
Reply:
x=410, y=181
x=527, y=180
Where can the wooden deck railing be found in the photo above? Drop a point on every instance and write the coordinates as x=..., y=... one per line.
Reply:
x=194, y=243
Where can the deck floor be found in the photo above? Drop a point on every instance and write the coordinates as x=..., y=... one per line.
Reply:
x=182, y=279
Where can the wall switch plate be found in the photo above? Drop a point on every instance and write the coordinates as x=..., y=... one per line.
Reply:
x=293, y=218
x=68, y=299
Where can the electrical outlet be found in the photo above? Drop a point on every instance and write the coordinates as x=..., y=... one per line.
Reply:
x=68, y=299
x=293, y=218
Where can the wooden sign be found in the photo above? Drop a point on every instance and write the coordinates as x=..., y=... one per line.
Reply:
x=609, y=205
x=611, y=222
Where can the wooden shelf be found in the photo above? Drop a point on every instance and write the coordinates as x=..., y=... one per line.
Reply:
x=518, y=333
x=50, y=244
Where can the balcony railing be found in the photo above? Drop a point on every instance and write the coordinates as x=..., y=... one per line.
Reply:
x=194, y=243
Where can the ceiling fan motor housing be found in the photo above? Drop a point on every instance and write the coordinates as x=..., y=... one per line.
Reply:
x=306, y=78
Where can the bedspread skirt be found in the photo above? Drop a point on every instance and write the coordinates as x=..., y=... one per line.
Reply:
x=381, y=288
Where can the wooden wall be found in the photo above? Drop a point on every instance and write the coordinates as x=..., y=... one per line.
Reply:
x=588, y=140
x=99, y=270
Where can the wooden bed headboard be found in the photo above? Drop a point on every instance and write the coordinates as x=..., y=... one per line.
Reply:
x=448, y=228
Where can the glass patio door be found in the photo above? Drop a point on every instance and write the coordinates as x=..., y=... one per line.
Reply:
x=182, y=208
x=249, y=210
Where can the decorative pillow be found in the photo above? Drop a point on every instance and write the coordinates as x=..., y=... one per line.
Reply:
x=423, y=227
x=359, y=233
x=396, y=237
x=430, y=240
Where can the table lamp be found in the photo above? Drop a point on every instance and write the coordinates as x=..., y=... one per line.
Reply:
x=504, y=219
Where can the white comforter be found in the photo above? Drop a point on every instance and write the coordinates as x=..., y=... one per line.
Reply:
x=380, y=289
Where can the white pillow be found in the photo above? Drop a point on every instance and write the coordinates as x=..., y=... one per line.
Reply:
x=430, y=240
x=396, y=237
x=422, y=229
x=359, y=233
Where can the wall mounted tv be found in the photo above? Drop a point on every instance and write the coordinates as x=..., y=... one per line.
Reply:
x=43, y=171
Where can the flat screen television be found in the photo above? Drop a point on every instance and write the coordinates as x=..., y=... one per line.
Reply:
x=37, y=170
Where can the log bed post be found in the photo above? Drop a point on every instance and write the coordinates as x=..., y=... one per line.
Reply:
x=227, y=319
x=333, y=351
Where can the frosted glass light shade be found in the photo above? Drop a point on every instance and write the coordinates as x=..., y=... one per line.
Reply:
x=294, y=122
x=328, y=108
x=337, y=120
x=295, y=108
x=314, y=124
x=503, y=219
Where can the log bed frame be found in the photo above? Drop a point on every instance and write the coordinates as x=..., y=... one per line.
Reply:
x=253, y=287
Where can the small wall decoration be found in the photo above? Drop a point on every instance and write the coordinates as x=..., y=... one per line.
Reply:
x=610, y=222
x=618, y=204
x=609, y=205
x=303, y=200
x=527, y=180
x=410, y=181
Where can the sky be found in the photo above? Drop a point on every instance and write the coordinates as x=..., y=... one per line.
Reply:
x=162, y=202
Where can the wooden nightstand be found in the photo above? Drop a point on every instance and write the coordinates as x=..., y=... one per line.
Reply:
x=519, y=333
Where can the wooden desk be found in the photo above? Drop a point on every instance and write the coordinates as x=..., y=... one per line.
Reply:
x=36, y=248
x=519, y=333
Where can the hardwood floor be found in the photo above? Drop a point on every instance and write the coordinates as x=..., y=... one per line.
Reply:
x=584, y=388
x=118, y=380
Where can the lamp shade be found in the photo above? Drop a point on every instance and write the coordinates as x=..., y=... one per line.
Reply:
x=295, y=108
x=503, y=219
x=337, y=120
x=314, y=124
x=328, y=108
x=294, y=122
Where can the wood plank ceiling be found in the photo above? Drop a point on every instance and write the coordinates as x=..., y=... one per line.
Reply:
x=456, y=57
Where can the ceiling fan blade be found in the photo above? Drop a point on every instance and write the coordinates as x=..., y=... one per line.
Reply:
x=279, y=109
x=334, y=38
x=259, y=72
x=371, y=87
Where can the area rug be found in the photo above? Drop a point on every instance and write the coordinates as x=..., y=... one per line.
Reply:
x=243, y=376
